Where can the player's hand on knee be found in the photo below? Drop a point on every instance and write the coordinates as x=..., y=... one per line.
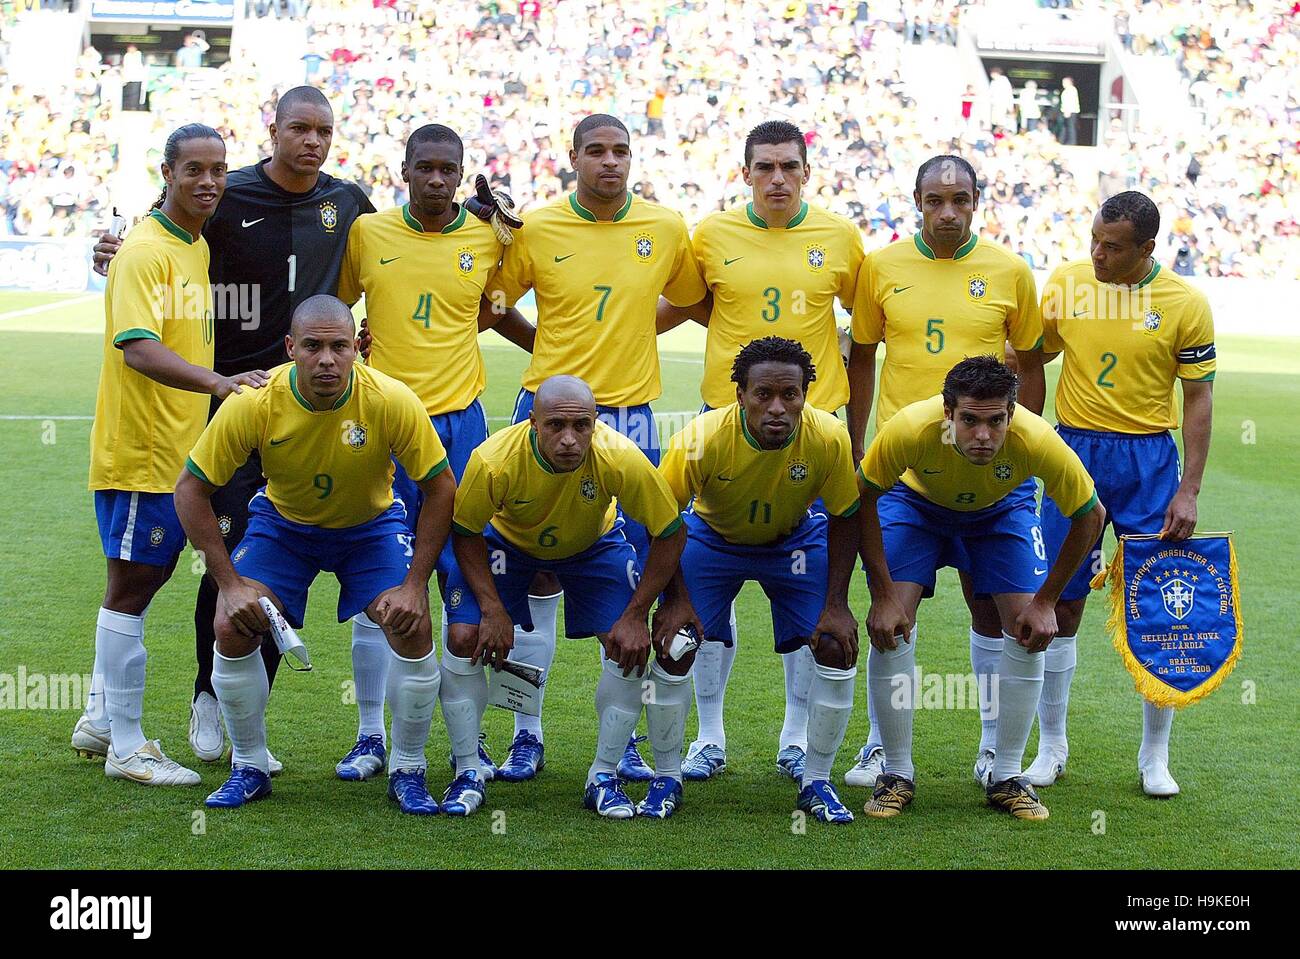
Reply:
x=670, y=618
x=364, y=339
x=402, y=609
x=887, y=623
x=838, y=625
x=242, y=605
x=1180, y=517
x=629, y=644
x=1036, y=625
x=105, y=249
x=496, y=637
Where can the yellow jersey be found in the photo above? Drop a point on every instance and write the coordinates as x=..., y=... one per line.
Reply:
x=157, y=289
x=329, y=468
x=422, y=300
x=554, y=515
x=768, y=281
x=932, y=313
x=753, y=496
x=598, y=285
x=1124, y=347
x=915, y=445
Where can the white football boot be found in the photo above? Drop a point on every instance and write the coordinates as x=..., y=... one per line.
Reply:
x=1156, y=780
x=90, y=741
x=207, y=738
x=149, y=767
x=1048, y=766
x=870, y=764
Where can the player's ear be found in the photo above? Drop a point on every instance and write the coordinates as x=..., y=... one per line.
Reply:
x=916, y=198
x=272, y=131
x=405, y=177
x=1148, y=247
x=807, y=173
x=288, y=345
x=744, y=173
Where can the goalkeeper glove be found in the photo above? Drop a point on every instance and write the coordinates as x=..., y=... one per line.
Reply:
x=494, y=207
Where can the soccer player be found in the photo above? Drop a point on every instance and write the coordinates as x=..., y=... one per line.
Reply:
x=1128, y=330
x=960, y=456
x=539, y=496
x=931, y=299
x=774, y=267
x=753, y=469
x=326, y=428
x=277, y=238
x=423, y=268
x=598, y=261
x=150, y=407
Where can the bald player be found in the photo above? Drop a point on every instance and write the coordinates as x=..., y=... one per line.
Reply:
x=598, y=261
x=327, y=429
x=932, y=299
x=539, y=496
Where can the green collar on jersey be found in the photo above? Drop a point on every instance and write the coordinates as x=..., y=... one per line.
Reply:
x=1155, y=270
x=341, y=401
x=744, y=428
x=418, y=227
x=929, y=253
x=541, y=460
x=167, y=224
x=759, y=222
x=586, y=214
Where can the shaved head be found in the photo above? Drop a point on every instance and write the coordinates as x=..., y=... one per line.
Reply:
x=320, y=308
x=564, y=391
x=564, y=416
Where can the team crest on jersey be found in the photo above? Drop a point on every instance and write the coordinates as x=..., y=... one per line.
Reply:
x=1151, y=320
x=588, y=489
x=455, y=597
x=465, y=259
x=645, y=246
x=798, y=471
x=1002, y=470
x=156, y=536
x=355, y=436
x=224, y=525
x=329, y=216
x=815, y=254
x=977, y=284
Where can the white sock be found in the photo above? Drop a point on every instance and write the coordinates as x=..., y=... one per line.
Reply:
x=1157, y=721
x=370, y=658
x=891, y=681
x=830, y=702
x=242, y=691
x=985, y=654
x=464, y=697
x=873, y=720
x=1059, y=661
x=537, y=649
x=665, y=719
x=119, y=651
x=618, y=708
x=412, y=691
x=799, y=667
x=712, y=669
x=1020, y=681
x=96, y=711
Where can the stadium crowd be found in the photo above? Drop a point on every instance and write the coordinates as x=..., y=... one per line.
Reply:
x=690, y=79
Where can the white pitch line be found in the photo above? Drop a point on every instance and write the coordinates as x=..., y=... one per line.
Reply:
x=12, y=417
x=45, y=308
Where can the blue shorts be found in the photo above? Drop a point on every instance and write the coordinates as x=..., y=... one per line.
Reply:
x=1002, y=543
x=139, y=527
x=286, y=556
x=461, y=432
x=637, y=423
x=792, y=573
x=1136, y=477
x=598, y=583
x=957, y=556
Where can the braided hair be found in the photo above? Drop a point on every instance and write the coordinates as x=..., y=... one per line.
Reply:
x=172, y=149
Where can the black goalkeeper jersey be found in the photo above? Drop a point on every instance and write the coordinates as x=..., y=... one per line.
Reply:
x=271, y=249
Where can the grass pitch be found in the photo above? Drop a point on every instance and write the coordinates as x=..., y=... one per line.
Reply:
x=1233, y=754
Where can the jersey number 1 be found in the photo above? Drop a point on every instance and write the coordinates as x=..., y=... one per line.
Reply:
x=293, y=271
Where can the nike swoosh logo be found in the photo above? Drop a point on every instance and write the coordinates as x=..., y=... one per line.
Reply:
x=903, y=289
x=732, y=260
x=383, y=262
x=247, y=223
x=278, y=442
x=561, y=259
x=522, y=502
x=145, y=777
x=1039, y=572
x=185, y=283
x=931, y=472
x=1079, y=313
x=725, y=479
x=1205, y=352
